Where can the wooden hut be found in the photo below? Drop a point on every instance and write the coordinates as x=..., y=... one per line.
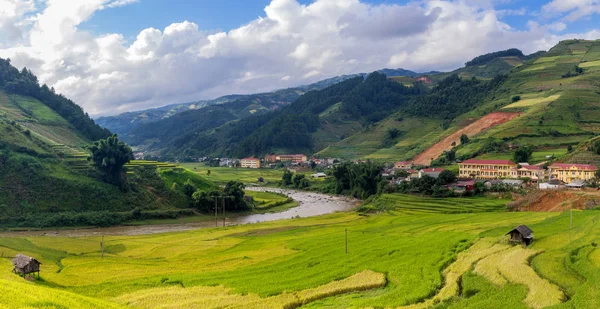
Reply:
x=521, y=234
x=25, y=265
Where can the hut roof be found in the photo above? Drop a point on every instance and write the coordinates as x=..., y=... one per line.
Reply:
x=21, y=261
x=523, y=230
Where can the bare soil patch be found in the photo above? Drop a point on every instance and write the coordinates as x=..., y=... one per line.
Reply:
x=484, y=123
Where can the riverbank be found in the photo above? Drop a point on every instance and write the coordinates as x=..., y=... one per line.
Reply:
x=309, y=204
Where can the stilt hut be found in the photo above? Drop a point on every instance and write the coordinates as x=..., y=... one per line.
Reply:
x=521, y=234
x=25, y=265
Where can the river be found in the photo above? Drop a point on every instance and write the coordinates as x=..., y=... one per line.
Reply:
x=310, y=204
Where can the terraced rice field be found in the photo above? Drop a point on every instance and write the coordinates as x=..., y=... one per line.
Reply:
x=422, y=253
x=533, y=101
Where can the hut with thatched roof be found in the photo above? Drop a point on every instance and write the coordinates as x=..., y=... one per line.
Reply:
x=521, y=234
x=25, y=265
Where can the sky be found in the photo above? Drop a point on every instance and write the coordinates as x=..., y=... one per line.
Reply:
x=112, y=56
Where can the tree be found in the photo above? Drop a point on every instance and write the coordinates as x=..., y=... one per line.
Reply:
x=393, y=133
x=569, y=149
x=597, y=174
x=596, y=147
x=515, y=98
x=450, y=155
x=208, y=173
x=523, y=154
x=235, y=190
x=402, y=173
x=286, y=179
x=109, y=155
x=189, y=188
x=464, y=139
x=446, y=177
x=300, y=181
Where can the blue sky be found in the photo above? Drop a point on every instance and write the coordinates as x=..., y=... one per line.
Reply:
x=230, y=14
x=112, y=56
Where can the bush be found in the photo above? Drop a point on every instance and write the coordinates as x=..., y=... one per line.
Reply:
x=515, y=98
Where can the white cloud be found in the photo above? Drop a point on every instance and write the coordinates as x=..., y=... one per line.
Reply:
x=574, y=9
x=291, y=44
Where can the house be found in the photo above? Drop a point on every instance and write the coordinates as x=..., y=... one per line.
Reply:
x=521, y=234
x=534, y=172
x=576, y=184
x=226, y=162
x=486, y=169
x=138, y=155
x=25, y=265
x=515, y=183
x=294, y=158
x=250, y=163
x=432, y=172
x=424, y=79
x=567, y=172
x=549, y=186
x=318, y=175
x=462, y=186
x=493, y=182
x=403, y=165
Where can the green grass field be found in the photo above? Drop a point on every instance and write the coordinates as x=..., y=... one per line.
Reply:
x=421, y=252
x=246, y=175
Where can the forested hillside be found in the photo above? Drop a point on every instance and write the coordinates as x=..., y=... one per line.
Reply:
x=552, y=99
x=46, y=178
x=352, y=104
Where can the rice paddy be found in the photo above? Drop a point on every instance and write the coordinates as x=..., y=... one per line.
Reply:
x=407, y=257
x=533, y=101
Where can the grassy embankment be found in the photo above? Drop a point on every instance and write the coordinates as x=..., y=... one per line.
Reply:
x=436, y=257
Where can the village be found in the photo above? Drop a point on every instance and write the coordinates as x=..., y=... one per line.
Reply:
x=543, y=176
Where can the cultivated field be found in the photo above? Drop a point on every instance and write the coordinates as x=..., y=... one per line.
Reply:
x=420, y=253
x=245, y=175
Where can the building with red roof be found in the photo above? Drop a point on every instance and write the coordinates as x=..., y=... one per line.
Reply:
x=486, y=169
x=403, y=164
x=568, y=172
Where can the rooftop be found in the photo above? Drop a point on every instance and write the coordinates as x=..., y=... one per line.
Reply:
x=475, y=161
x=587, y=167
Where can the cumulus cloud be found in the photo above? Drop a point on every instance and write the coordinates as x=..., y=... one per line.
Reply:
x=574, y=9
x=290, y=44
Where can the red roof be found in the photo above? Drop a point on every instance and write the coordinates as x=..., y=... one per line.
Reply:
x=474, y=161
x=565, y=166
x=403, y=162
x=432, y=170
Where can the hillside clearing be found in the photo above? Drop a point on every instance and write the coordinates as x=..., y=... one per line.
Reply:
x=480, y=125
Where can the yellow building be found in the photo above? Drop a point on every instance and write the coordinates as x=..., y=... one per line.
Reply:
x=250, y=163
x=486, y=169
x=567, y=172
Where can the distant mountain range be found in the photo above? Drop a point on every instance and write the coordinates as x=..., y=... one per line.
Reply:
x=124, y=124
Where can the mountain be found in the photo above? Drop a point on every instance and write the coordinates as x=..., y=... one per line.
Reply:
x=127, y=124
x=46, y=178
x=547, y=102
x=231, y=133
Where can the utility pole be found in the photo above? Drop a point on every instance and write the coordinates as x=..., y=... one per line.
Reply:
x=102, y=246
x=216, y=220
x=223, y=211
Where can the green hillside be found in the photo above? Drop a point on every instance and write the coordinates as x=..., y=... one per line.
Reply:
x=46, y=177
x=557, y=107
x=47, y=180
